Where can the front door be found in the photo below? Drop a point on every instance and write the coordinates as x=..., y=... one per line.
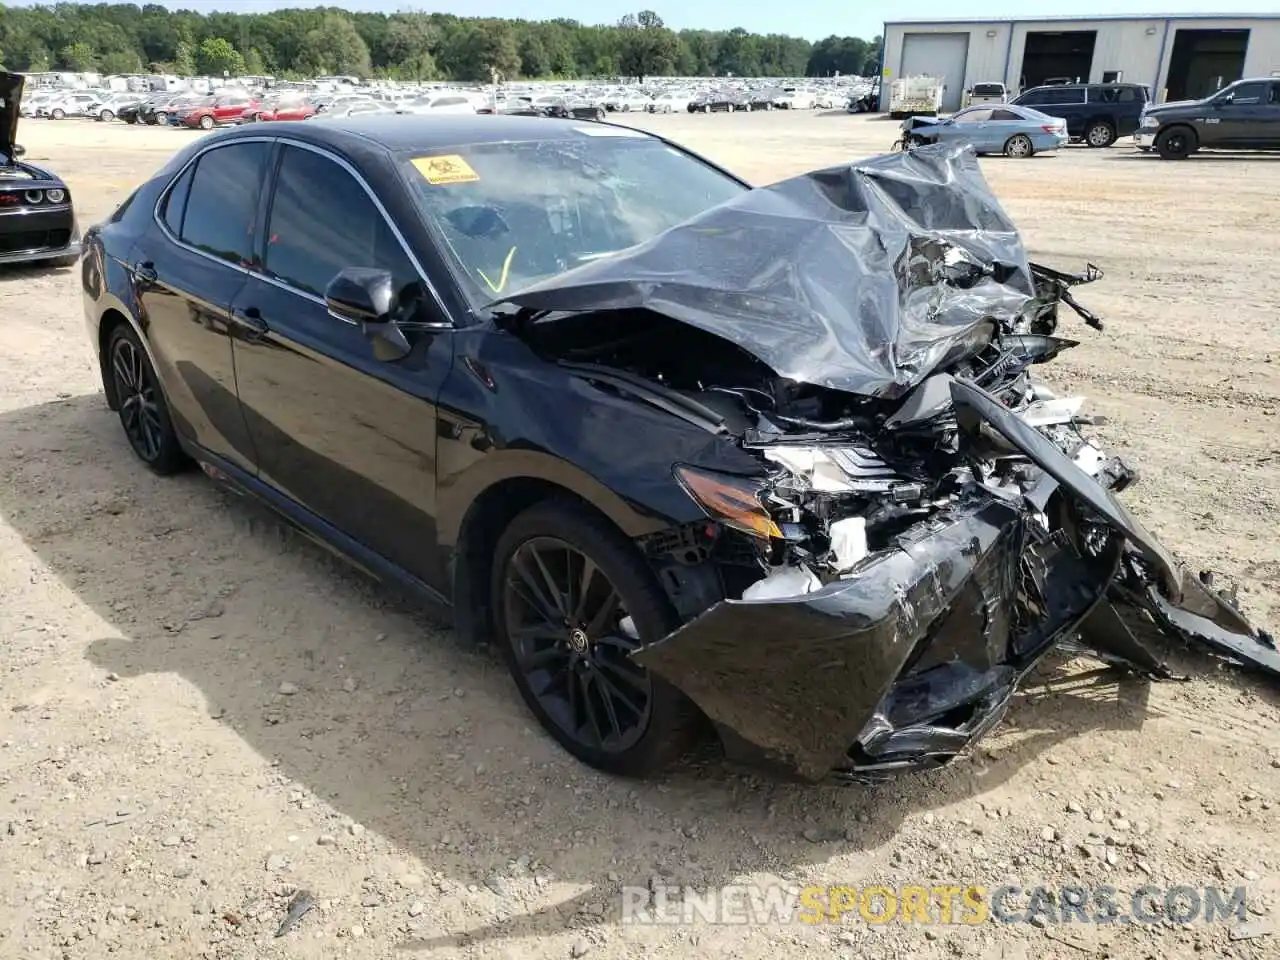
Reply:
x=349, y=437
x=186, y=272
x=1240, y=121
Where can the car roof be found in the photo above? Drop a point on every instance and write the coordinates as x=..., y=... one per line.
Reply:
x=404, y=132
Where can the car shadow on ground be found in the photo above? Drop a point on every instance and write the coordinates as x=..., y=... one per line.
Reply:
x=1211, y=156
x=434, y=740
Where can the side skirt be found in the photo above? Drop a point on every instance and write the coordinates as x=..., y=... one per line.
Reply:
x=317, y=529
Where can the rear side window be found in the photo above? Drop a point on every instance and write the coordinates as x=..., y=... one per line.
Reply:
x=323, y=221
x=222, y=201
x=1005, y=115
x=175, y=202
x=1113, y=95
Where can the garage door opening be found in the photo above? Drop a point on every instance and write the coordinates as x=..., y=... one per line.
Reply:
x=941, y=55
x=1203, y=61
x=1064, y=56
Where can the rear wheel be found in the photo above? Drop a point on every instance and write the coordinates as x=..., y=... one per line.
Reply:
x=206, y=122
x=161, y=117
x=1019, y=146
x=1176, y=143
x=106, y=116
x=1100, y=134
x=131, y=118
x=57, y=113
x=570, y=598
x=141, y=405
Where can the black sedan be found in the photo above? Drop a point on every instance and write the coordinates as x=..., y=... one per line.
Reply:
x=37, y=221
x=565, y=378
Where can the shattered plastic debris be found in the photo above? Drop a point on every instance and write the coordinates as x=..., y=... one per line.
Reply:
x=848, y=542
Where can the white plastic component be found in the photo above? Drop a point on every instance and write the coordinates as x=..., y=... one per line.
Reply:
x=1090, y=459
x=783, y=582
x=628, y=626
x=812, y=464
x=1044, y=413
x=848, y=541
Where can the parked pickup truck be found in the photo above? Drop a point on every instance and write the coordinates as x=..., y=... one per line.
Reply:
x=1242, y=116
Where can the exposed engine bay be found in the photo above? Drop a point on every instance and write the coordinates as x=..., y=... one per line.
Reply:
x=925, y=520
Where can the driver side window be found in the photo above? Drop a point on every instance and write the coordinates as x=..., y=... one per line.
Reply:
x=973, y=116
x=322, y=221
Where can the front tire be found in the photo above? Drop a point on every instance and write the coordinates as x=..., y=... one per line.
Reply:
x=564, y=581
x=1100, y=134
x=57, y=114
x=143, y=413
x=106, y=116
x=1019, y=146
x=1176, y=143
x=161, y=118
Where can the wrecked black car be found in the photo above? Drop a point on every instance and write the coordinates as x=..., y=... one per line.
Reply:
x=697, y=458
x=37, y=222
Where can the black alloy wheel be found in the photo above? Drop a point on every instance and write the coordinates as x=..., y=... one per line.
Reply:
x=141, y=405
x=1176, y=143
x=566, y=588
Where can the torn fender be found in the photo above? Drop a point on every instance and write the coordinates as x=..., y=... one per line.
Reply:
x=1179, y=603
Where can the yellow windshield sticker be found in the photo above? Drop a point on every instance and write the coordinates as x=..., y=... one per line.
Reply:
x=447, y=169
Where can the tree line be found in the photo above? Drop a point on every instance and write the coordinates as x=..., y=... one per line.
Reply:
x=124, y=38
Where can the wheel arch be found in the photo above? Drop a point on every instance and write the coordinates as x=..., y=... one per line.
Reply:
x=471, y=534
x=113, y=315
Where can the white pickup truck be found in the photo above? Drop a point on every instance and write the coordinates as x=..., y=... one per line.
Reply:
x=915, y=97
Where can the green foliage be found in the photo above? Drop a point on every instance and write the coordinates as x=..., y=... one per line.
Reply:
x=126, y=38
x=216, y=56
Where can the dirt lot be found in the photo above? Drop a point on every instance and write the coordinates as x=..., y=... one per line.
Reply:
x=200, y=714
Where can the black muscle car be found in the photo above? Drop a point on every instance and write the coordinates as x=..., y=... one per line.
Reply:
x=568, y=378
x=37, y=221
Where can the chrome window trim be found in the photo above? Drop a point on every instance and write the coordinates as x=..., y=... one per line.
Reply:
x=261, y=274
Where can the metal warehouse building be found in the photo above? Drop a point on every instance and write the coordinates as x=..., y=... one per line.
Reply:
x=1178, y=57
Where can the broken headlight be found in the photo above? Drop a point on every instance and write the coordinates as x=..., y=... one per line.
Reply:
x=734, y=501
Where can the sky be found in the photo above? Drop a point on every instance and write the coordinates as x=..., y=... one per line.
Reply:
x=813, y=19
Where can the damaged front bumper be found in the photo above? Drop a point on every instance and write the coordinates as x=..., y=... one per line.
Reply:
x=899, y=666
x=917, y=652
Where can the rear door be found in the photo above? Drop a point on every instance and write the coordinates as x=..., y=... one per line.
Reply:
x=349, y=437
x=187, y=270
x=1271, y=133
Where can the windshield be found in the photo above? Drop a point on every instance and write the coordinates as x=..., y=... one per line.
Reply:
x=511, y=214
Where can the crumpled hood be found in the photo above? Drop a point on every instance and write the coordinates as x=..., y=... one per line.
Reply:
x=862, y=278
x=10, y=98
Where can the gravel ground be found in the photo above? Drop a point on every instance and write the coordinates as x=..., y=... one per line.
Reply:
x=202, y=715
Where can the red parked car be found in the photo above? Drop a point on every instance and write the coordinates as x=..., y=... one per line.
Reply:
x=294, y=110
x=223, y=109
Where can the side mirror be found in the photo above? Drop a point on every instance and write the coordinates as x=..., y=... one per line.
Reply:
x=1226, y=101
x=19, y=151
x=366, y=297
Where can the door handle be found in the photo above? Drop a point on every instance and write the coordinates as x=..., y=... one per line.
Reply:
x=250, y=318
x=146, y=271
